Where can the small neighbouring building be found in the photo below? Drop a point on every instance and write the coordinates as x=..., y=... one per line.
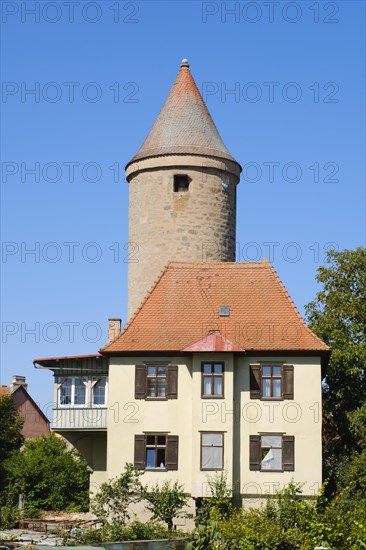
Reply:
x=36, y=422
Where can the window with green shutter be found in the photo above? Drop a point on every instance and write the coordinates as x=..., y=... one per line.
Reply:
x=156, y=381
x=271, y=381
x=156, y=451
x=272, y=452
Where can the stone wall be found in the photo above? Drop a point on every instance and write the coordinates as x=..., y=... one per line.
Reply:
x=197, y=225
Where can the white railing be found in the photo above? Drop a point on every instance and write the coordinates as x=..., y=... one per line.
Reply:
x=81, y=418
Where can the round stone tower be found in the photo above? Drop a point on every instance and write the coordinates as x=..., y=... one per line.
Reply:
x=182, y=203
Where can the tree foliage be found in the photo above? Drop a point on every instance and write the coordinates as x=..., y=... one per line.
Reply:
x=11, y=438
x=220, y=498
x=165, y=502
x=338, y=316
x=286, y=522
x=49, y=475
x=111, y=503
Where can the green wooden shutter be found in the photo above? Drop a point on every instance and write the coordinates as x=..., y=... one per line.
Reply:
x=172, y=382
x=255, y=452
x=140, y=382
x=255, y=382
x=172, y=452
x=288, y=453
x=288, y=381
x=140, y=448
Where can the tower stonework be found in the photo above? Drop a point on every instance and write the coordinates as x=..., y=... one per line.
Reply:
x=182, y=191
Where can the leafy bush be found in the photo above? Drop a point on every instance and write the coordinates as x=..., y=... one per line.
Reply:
x=111, y=503
x=49, y=475
x=118, y=533
x=220, y=499
x=287, y=522
x=166, y=502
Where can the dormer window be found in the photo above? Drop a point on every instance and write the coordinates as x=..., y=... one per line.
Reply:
x=181, y=183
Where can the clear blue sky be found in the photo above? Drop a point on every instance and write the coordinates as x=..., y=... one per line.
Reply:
x=101, y=72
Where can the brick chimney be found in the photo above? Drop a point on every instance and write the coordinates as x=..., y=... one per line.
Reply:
x=114, y=328
x=17, y=381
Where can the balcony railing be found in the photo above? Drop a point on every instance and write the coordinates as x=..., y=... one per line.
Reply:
x=83, y=418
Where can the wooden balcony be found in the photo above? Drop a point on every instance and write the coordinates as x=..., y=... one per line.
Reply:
x=79, y=418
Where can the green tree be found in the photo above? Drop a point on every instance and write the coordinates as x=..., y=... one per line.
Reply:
x=338, y=316
x=165, y=502
x=220, y=498
x=49, y=475
x=11, y=438
x=111, y=503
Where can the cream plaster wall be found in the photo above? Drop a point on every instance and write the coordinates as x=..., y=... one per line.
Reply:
x=300, y=417
x=188, y=415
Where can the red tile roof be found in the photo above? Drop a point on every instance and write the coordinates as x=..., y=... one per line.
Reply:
x=5, y=390
x=183, y=308
x=184, y=124
x=214, y=341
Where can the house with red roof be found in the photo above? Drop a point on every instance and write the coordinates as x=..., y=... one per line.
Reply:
x=35, y=422
x=215, y=369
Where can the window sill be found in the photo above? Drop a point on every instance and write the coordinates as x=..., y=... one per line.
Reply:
x=82, y=406
x=272, y=399
x=71, y=406
x=156, y=470
x=212, y=397
x=211, y=469
x=273, y=471
x=156, y=399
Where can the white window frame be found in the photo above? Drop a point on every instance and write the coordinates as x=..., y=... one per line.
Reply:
x=72, y=404
x=94, y=382
x=270, y=447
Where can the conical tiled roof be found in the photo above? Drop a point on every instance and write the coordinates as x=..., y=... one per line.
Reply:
x=184, y=125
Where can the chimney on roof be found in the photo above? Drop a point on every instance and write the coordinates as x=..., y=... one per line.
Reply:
x=17, y=381
x=114, y=329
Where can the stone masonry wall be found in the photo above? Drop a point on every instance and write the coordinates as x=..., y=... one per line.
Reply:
x=195, y=226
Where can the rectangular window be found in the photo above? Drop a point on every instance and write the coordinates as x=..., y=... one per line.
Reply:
x=156, y=451
x=212, y=451
x=272, y=452
x=65, y=392
x=271, y=381
x=212, y=379
x=181, y=183
x=72, y=392
x=100, y=392
x=156, y=381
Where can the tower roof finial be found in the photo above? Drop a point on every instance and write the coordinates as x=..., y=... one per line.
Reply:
x=184, y=63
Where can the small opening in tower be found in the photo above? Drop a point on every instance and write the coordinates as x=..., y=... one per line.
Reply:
x=181, y=183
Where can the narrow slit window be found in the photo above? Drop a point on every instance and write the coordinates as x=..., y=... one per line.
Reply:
x=181, y=183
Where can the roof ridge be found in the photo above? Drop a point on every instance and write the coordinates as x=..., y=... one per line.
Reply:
x=219, y=264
